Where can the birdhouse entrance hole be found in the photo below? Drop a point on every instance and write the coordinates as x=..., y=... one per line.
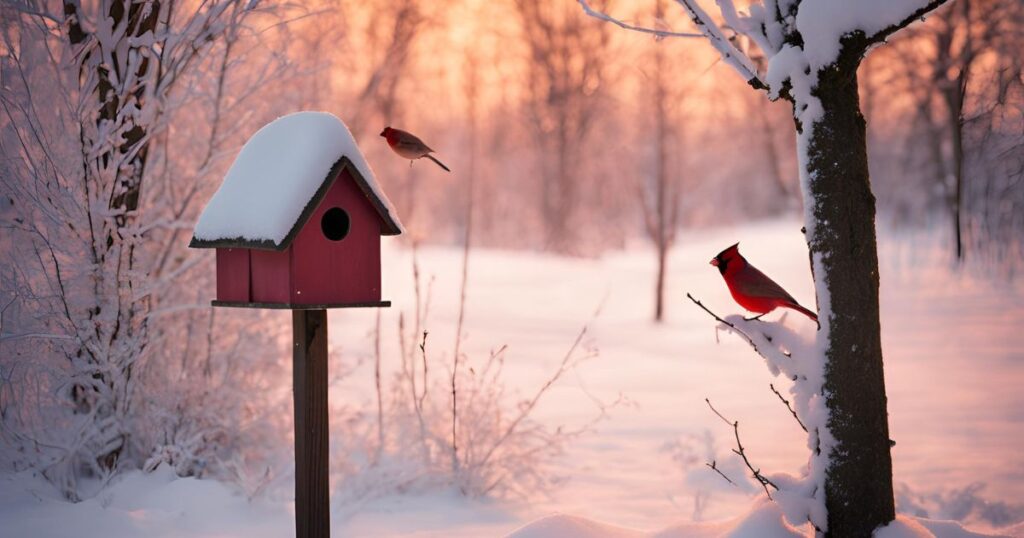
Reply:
x=335, y=224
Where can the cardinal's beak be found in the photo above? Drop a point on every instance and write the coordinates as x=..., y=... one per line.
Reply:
x=714, y=261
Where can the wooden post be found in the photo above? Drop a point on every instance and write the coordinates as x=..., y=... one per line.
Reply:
x=309, y=375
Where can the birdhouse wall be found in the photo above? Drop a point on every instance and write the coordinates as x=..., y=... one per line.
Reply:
x=271, y=276
x=233, y=275
x=326, y=271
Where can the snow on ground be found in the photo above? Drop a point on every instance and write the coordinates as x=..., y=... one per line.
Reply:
x=953, y=350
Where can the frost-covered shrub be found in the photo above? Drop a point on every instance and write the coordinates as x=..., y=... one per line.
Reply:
x=486, y=444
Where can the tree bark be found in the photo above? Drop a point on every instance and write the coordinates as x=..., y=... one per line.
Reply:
x=661, y=237
x=954, y=107
x=659, y=285
x=842, y=243
x=662, y=234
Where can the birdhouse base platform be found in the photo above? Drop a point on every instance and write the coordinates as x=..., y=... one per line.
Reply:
x=289, y=306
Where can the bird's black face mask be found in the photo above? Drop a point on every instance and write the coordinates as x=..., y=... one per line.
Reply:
x=721, y=263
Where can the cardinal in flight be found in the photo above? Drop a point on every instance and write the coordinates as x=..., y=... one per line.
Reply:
x=751, y=288
x=409, y=146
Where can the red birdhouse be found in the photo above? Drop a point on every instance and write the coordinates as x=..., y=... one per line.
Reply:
x=298, y=219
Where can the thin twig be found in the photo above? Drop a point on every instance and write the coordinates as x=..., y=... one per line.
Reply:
x=722, y=321
x=732, y=56
x=423, y=355
x=660, y=34
x=741, y=452
x=786, y=402
x=742, y=333
x=918, y=14
x=527, y=406
x=714, y=467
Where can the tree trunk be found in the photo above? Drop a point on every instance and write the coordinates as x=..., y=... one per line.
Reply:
x=953, y=97
x=841, y=238
x=661, y=200
x=659, y=286
x=661, y=194
x=119, y=169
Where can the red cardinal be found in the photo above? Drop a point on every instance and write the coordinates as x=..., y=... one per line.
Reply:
x=751, y=288
x=409, y=146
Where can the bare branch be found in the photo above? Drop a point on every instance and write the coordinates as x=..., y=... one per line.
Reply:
x=917, y=14
x=714, y=467
x=776, y=358
x=722, y=321
x=16, y=336
x=730, y=54
x=785, y=401
x=742, y=453
x=527, y=407
x=660, y=34
x=708, y=29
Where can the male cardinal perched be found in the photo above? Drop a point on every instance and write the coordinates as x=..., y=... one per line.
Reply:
x=751, y=288
x=409, y=146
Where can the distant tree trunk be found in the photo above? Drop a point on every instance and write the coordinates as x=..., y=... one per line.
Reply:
x=662, y=227
x=953, y=90
x=954, y=99
x=953, y=41
x=661, y=233
x=659, y=285
x=398, y=25
x=858, y=485
x=565, y=78
x=560, y=198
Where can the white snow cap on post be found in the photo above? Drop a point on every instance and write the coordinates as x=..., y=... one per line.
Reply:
x=277, y=173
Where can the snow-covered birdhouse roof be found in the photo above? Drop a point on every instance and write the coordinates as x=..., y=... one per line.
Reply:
x=278, y=180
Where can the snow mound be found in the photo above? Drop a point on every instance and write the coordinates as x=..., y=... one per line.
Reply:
x=909, y=527
x=764, y=520
x=903, y=527
x=565, y=526
x=275, y=176
x=156, y=505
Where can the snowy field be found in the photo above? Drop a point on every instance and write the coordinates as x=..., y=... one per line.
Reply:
x=954, y=346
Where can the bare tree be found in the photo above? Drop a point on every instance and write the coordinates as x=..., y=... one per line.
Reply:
x=387, y=45
x=660, y=197
x=566, y=68
x=951, y=67
x=816, y=71
x=939, y=64
x=993, y=139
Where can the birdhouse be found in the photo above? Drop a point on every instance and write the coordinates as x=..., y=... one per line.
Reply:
x=297, y=220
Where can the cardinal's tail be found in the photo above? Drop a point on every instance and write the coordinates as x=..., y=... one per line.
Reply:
x=439, y=163
x=804, y=311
